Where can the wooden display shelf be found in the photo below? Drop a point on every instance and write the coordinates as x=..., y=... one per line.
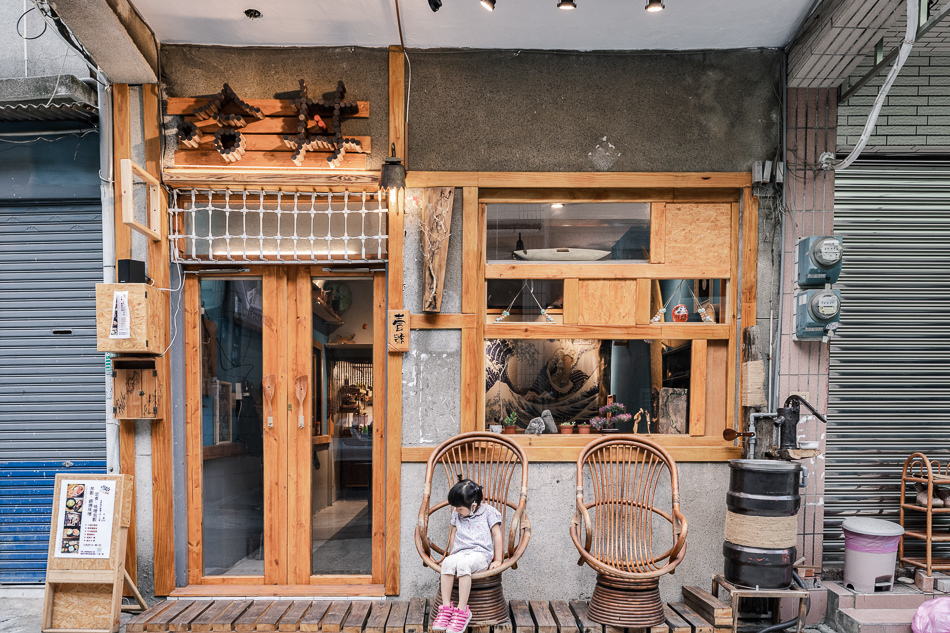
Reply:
x=935, y=563
x=936, y=538
x=220, y=451
x=322, y=310
x=914, y=506
x=320, y=440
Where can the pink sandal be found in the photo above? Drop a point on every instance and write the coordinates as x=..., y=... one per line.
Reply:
x=444, y=617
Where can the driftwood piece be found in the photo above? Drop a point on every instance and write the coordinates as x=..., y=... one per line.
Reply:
x=436, y=225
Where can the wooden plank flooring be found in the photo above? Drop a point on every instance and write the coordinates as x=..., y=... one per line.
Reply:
x=379, y=616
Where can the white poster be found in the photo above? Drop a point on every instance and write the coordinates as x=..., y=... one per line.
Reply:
x=84, y=527
x=121, y=326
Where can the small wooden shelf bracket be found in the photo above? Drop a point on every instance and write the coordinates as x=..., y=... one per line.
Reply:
x=154, y=229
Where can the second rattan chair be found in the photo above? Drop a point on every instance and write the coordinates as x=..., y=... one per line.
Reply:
x=613, y=529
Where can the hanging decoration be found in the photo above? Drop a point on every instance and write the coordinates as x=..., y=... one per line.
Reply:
x=507, y=311
x=310, y=114
x=680, y=311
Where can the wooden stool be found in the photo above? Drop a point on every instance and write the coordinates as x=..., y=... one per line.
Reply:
x=775, y=594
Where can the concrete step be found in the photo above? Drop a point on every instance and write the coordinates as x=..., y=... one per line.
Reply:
x=875, y=620
x=901, y=597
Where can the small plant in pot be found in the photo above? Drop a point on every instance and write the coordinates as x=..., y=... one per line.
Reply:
x=583, y=428
x=610, y=415
x=567, y=428
x=509, y=426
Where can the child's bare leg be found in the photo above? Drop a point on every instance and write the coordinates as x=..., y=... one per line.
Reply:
x=465, y=588
x=447, y=581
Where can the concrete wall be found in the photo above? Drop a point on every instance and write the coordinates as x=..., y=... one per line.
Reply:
x=542, y=111
x=39, y=57
x=548, y=567
x=915, y=118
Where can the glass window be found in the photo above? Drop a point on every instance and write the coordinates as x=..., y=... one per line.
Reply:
x=342, y=456
x=525, y=300
x=231, y=425
x=574, y=379
x=570, y=232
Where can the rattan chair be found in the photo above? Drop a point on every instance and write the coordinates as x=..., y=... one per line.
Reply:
x=614, y=532
x=493, y=461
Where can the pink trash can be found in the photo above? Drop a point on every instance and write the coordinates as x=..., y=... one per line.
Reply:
x=870, y=554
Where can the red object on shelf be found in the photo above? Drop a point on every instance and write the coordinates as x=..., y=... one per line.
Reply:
x=680, y=313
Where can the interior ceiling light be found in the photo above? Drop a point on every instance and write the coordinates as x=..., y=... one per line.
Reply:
x=567, y=5
x=253, y=14
x=435, y=5
x=655, y=5
x=489, y=4
x=557, y=205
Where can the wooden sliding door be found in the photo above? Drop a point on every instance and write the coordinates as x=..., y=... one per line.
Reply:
x=283, y=443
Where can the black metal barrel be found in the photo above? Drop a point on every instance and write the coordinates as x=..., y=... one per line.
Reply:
x=761, y=522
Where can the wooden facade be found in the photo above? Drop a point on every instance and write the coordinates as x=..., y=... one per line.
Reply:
x=696, y=223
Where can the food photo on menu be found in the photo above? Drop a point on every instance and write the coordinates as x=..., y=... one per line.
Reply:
x=73, y=518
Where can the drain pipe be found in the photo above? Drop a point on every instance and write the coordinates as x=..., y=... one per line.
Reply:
x=107, y=198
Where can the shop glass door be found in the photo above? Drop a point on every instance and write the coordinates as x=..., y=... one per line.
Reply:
x=290, y=439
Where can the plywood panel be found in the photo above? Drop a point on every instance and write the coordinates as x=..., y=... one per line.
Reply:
x=82, y=606
x=658, y=233
x=717, y=353
x=607, y=302
x=697, y=388
x=698, y=234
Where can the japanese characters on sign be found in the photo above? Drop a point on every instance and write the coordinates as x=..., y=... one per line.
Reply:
x=398, y=330
x=84, y=527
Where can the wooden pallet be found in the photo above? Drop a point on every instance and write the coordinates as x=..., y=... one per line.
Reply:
x=363, y=616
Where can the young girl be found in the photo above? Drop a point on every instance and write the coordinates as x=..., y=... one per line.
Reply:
x=475, y=544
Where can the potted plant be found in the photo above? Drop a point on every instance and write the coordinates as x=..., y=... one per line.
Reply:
x=583, y=428
x=610, y=415
x=567, y=428
x=509, y=427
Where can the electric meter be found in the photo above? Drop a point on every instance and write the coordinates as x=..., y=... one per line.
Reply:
x=817, y=313
x=819, y=260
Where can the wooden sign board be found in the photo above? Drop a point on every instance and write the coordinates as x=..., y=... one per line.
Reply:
x=85, y=565
x=397, y=331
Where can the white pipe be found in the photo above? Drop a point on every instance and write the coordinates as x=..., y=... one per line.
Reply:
x=827, y=159
x=108, y=251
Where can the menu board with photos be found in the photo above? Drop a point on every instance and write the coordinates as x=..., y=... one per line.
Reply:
x=85, y=517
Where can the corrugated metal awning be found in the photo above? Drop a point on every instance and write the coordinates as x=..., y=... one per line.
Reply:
x=81, y=112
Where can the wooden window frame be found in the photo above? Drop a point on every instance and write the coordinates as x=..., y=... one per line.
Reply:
x=369, y=585
x=719, y=341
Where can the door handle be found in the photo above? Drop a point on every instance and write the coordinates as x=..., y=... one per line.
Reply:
x=300, y=386
x=269, y=383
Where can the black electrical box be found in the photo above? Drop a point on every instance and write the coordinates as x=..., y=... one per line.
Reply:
x=131, y=271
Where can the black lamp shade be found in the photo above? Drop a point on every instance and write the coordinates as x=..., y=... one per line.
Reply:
x=393, y=174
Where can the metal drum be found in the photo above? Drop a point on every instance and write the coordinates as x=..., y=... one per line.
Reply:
x=761, y=522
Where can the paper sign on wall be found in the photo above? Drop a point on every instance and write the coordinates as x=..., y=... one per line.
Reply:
x=121, y=320
x=84, y=526
x=398, y=331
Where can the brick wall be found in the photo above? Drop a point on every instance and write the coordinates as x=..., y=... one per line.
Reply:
x=916, y=116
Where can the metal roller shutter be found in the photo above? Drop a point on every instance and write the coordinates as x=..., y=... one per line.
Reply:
x=52, y=391
x=889, y=383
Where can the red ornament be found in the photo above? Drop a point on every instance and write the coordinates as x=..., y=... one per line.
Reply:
x=680, y=313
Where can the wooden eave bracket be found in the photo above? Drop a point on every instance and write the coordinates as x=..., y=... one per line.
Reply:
x=154, y=229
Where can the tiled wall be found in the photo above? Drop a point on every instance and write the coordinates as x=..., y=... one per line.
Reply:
x=809, y=197
x=916, y=115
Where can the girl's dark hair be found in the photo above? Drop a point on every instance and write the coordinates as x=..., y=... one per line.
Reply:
x=465, y=493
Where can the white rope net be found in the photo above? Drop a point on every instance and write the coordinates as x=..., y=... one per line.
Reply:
x=222, y=226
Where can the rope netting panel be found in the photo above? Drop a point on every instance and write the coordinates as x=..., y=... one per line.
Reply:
x=223, y=225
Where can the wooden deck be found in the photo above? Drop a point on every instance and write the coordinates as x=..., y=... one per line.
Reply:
x=382, y=616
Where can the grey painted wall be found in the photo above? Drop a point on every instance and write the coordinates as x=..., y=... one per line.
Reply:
x=915, y=118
